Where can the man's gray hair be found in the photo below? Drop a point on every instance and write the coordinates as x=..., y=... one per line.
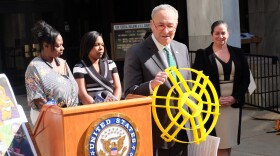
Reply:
x=165, y=7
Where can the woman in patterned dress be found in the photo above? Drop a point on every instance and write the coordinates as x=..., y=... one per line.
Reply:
x=48, y=79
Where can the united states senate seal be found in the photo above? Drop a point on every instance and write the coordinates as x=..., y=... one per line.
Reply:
x=113, y=135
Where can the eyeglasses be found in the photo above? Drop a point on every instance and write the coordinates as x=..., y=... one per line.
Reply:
x=161, y=27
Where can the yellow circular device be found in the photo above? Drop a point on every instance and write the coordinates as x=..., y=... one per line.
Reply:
x=188, y=106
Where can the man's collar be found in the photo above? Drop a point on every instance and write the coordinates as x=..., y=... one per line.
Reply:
x=159, y=46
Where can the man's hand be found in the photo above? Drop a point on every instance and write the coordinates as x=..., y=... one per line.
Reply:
x=159, y=79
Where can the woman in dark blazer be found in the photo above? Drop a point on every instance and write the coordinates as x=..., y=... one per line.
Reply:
x=228, y=70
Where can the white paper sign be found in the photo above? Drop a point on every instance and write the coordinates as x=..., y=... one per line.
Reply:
x=207, y=148
x=252, y=85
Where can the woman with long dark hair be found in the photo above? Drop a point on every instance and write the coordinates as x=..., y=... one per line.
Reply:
x=96, y=74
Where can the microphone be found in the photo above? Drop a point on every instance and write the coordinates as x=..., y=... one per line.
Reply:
x=51, y=101
x=61, y=102
x=98, y=98
x=105, y=97
x=109, y=97
x=104, y=94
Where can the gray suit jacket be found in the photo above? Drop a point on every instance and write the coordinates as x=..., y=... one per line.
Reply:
x=142, y=63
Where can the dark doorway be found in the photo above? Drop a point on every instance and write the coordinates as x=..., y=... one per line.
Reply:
x=244, y=22
x=16, y=20
x=98, y=15
x=72, y=18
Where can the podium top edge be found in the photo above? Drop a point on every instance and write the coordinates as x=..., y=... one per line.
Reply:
x=133, y=101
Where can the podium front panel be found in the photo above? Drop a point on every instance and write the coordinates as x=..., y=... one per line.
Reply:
x=63, y=131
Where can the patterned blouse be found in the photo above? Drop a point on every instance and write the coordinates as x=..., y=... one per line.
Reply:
x=42, y=81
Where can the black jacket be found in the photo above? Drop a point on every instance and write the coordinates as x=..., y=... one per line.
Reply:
x=205, y=61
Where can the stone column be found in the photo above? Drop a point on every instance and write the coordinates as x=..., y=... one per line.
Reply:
x=202, y=13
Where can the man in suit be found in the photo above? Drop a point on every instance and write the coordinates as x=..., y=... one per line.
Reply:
x=144, y=68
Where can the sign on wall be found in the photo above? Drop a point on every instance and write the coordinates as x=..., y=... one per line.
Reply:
x=124, y=35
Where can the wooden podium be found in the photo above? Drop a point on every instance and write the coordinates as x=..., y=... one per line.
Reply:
x=64, y=131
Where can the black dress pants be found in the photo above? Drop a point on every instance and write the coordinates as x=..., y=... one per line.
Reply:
x=179, y=149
